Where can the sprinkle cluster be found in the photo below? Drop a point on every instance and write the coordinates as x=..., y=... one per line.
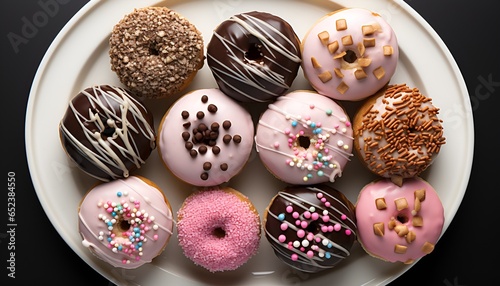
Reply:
x=127, y=226
x=311, y=228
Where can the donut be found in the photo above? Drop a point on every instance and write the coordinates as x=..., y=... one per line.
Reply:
x=205, y=138
x=349, y=54
x=399, y=223
x=125, y=222
x=304, y=138
x=218, y=228
x=311, y=228
x=397, y=133
x=254, y=56
x=155, y=52
x=107, y=132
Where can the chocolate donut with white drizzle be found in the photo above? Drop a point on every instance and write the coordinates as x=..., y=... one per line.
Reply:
x=311, y=228
x=107, y=132
x=254, y=56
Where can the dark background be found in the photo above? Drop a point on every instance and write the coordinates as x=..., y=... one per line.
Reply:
x=466, y=251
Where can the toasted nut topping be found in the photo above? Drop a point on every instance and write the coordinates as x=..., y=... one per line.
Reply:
x=364, y=62
x=324, y=37
x=428, y=247
x=342, y=88
x=333, y=47
x=410, y=237
x=401, y=230
x=378, y=228
x=417, y=221
x=401, y=203
x=360, y=74
x=339, y=56
x=341, y=24
x=367, y=30
x=388, y=50
x=347, y=40
x=380, y=202
x=379, y=74
x=401, y=249
x=338, y=73
x=325, y=76
x=315, y=62
x=369, y=42
x=420, y=194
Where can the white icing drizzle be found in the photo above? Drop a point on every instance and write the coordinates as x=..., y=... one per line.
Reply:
x=102, y=154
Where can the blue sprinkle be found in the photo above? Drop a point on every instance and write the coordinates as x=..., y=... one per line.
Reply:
x=313, y=124
x=109, y=239
x=131, y=238
x=113, y=214
x=329, y=112
x=137, y=234
x=329, y=245
x=318, y=130
x=320, y=173
x=281, y=217
x=136, y=229
x=294, y=123
x=120, y=247
x=109, y=223
x=139, y=244
x=309, y=176
x=328, y=255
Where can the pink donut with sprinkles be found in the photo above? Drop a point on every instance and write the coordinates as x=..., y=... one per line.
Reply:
x=218, y=229
x=126, y=222
x=349, y=54
x=399, y=224
x=304, y=138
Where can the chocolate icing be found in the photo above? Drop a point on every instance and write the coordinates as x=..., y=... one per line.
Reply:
x=254, y=56
x=312, y=240
x=106, y=132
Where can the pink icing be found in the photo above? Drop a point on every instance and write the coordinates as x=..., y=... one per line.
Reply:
x=127, y=245
x=177, y=157
x=367, y=215
x=207, y=211
x=298, y=118
x=376, y=30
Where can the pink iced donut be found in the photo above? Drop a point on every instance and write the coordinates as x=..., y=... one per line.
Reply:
x=218, y=229
x=126, y=222
x=399, y=223
x=205, y=138
x=304, y=138
x=349, y=54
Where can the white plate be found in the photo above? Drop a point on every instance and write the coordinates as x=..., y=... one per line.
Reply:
x=78, y=58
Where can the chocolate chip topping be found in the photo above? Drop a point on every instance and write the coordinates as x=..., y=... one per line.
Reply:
x=226, y=124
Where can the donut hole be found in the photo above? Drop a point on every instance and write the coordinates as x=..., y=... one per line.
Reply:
x=350, y=56
x=304, y=141
x=153, y=49
x=313, y=227
x=108, y=132
x=219, y=232
x=402, y=218
x=123, y=226
x=254, y=51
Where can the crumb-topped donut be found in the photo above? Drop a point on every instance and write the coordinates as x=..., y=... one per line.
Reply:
x=399, y=223
x=155, y=51
x=304, y=138
x=254, y=56
x=310, y=228
x=397, y=132
x=126, y=222
x=205, y=138
x=107, y=132
x=218, y=229
x=349, y=54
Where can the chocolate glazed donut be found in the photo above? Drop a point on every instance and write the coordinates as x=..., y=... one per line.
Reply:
x=107, y=132
x=254, y=56
x=311, y=228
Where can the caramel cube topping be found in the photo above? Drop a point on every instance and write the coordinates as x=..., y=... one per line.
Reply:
x=361, y=49
x=333, y=47
x=315, y=62
x=388, y=50
x=364, y=62
x=342, y=88
x=339, y=56
x=360, y=74
x=381, y=205
x=401, y=249
x=418, y=206
x=420, y=194
x=409, y=261
x=379, y=73
x=401, y=203
x=325, y=76
x=369, y=42
x=401, y=230
x=392, y=224
x=378, y=228
x=417, y=221
x=410, y=237
x=324, y=37
x=347, y=40
x=427, y=247
x=338, y=73
x=341, y=24
x=367, y=29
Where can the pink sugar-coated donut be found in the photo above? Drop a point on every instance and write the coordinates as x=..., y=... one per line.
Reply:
x=349, y=54
x=304, y=138
x=399, y=223
x=126, y=222
x=218, y=229
x=205, y=138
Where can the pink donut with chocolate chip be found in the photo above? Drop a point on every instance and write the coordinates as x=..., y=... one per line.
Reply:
x=349, y=54
x=399, y=224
